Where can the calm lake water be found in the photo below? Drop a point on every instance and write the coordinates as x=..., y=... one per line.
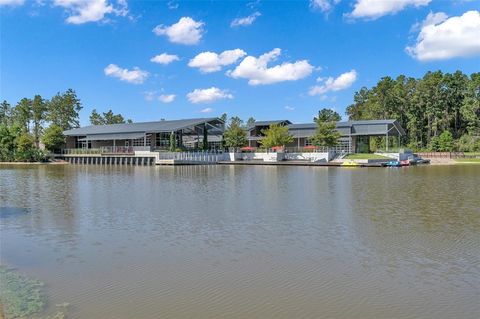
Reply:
x=247, y=242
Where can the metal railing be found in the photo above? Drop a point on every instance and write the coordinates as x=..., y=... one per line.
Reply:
x=445, y=155
x=201, y=156
x=106, y=150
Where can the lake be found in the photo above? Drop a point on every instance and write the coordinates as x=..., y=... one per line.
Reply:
x=247, y=241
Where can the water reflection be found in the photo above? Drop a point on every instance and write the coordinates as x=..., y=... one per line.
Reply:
x=243, y=242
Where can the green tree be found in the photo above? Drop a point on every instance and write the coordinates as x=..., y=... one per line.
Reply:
x=250, y=122
x=325, y=134
x=434, y=144
x=53, y=138
x=276, y=135
x=224, y=117
x=172, y=145
x=470, y=108
x=39, y=114
x=235, y=135
x=107, y=118
x=5, y=113
x=445, y=142
x=96, y=118
x=63, y=110
x=327, y=115
x=22, y=114
x=8, y=142
x=25, y=142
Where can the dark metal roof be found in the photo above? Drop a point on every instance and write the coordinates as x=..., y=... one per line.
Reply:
x=348, y=124
x=158, y=126
x=268, y=123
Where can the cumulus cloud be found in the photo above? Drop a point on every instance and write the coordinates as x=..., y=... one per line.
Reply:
x=135, y=76
x=374, y=9
x=289, y=108
x=164, y=58
x=83, y=11
x=206, y=110
x=209, y=62
x=342, y=82
x=12, y=3
x=208, y=95
x=185, y=31
x=167, y=98
x=245, y=21
x=443, y=38
x=257, y=72
x=324, y=5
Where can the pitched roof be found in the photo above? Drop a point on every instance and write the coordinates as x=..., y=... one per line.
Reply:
x=158, y=126
x=268, y=123
x=312, y=126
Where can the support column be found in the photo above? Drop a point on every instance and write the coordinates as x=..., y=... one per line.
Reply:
x=386, y=142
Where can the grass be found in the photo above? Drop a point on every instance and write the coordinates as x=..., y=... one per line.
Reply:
x=23, y=297
x=365, y=156
x=468, y=160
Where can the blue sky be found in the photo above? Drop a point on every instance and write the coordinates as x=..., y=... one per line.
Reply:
x=328, y=49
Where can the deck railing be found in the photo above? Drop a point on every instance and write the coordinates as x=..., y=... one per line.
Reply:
x=199, y=156
x=447, y=155
x=106, y=150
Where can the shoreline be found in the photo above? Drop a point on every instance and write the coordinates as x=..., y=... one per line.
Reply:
x=35, y=163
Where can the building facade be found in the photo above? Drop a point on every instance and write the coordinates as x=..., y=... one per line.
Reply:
x=190, y=133
x=354, y=135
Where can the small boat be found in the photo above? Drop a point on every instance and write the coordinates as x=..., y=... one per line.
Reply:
x=350, y=163
x=393, y=164
x=405, y=163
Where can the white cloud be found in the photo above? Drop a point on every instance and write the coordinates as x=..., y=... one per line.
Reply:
x=324, y=5
x=164, y=58
x=208, y=95
x=432, y=18
x=185, y=31
x=206, y=110
x=149, y=95
x=135, y=76
x=443, y=38
x=172, y=5
x=166, y=98
x=245, y=21
x=209, y=62
x=374, y=9
x=342, y=82
x=12, y=3
x=289, y=108
x=83, y=11
x=257, y=72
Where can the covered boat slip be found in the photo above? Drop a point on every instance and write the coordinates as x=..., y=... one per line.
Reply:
x=188, y=133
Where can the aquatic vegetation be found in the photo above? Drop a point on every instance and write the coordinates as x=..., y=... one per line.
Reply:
x=21, y=296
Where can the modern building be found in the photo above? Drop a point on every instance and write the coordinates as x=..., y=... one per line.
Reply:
x=188, y=133
x=354, y=138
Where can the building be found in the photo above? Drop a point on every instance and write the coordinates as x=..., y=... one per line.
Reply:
x=188, y=133
x=354, y=138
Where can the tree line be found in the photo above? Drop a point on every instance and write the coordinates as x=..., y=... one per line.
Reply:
x=439, y=112
x=35, y=121
x=31, y=121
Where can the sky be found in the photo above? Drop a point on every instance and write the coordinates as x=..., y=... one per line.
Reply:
x=151, y=60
